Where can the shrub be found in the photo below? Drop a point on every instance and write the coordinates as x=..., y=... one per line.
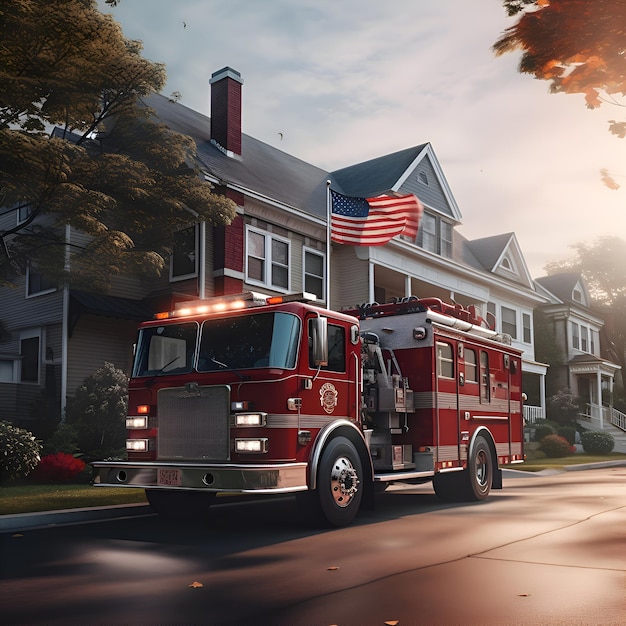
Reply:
x=19, y=452
x=597, y=442
x=63, y=439
x=567, y=432
x=57, y=468
x=98, y=412
x=564, y=407
x=543, y=430
x=555, y=446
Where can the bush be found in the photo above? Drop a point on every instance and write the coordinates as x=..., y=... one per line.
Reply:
x=567, y=432
x=543, y=430
x=556, y=446
x=19, y=452
x=98, y=412
x=564, y=407
x=597, y=442
x=63, y=439
x=57, y=468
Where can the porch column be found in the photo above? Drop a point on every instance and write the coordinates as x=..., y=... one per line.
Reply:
x=372, y=297
x=542, y=394
x=407, y=286
x=599, y=383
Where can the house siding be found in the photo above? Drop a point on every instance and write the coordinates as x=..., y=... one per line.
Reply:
x=349, y=278
x=88, y=353
x=431, y=194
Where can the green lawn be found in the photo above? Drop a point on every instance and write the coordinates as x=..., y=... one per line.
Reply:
x=25, y=498
x=536, y=465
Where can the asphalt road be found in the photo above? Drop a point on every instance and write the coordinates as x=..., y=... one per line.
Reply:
x=545, y=550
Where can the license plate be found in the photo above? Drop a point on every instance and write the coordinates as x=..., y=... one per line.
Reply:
x=169, y=477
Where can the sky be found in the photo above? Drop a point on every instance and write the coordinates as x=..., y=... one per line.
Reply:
x=338, y=82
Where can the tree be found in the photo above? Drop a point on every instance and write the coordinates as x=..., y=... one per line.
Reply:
x=110, y=170
x=576, y=45
x=603, y=266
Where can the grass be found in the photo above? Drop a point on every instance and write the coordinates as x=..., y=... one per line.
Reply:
x=29, y=498
x=538, y=464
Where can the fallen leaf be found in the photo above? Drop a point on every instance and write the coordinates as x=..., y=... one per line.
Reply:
x=196, y=584
x=523, y=595
x=17, y=535
x=332, y=568
x=392, y=622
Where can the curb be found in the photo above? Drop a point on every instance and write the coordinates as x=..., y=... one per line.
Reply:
x=41, y=519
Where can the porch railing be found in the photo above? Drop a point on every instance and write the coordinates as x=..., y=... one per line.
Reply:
x=609, y=415
x=532, y=414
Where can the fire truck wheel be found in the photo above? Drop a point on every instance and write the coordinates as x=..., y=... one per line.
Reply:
x=479, y=472
x=179, y=505
x=339, y=482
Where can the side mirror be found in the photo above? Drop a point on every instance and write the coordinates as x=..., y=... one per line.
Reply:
x=319, y=336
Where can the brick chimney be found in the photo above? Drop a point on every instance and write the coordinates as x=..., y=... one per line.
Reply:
x=226, y=110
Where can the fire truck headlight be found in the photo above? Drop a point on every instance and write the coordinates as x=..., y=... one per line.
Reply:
x=137, y=423
x=250, y=419
x=251, y=446
x=137, y=445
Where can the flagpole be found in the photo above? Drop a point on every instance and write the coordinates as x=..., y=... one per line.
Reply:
x=328, y=217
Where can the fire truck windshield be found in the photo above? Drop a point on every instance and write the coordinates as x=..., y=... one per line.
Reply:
x=241, y=342
x=249, y=341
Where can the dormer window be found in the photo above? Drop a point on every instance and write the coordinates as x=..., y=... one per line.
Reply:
x=423, y=178
x=577, y=296
x=435, y=235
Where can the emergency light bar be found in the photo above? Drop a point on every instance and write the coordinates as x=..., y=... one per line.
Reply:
x=232, y=302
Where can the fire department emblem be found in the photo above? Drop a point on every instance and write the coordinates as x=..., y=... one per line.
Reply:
x=328, y=397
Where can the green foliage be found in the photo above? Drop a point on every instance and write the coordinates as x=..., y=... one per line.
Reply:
x=63, y=439
x=111, y=171
x=555, y=446
x=98, y=413
x=597, y=442
x=543, y=430
x=564, y=407
x=567, y=432
x=19, y=452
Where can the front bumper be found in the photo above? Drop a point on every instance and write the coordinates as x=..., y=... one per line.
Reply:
x=231, y=478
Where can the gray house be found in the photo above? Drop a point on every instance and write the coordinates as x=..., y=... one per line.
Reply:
x=54, y=337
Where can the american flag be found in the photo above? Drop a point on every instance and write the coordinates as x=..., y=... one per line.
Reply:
x=373, y=221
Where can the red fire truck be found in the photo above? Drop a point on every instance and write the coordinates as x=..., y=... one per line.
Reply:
x=252, y=394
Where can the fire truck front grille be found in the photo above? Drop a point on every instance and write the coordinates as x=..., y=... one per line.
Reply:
x=194, y=423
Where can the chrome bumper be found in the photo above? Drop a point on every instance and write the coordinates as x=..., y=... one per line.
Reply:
x=277, y=478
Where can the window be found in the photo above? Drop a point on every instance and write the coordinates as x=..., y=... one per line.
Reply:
x=484, y=377
x=423, y=178
x=471, y=366
x=577, y=295
x=6, y=371
x=314, y=272
x=435, y=235
x=267, y=259
x=509, y=321
x=575, y=336
x=584, y=338
x=30, y=351
x=23, y=212
x=445, y=360
x=336, y=349
x=184, y=259
x=526, y=328
x=37, y=282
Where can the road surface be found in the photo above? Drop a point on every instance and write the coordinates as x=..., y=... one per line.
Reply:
x=545, y=550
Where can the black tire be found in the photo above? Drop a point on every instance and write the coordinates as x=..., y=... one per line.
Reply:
x=449, y=486
x=471, y=484
x=339, y=483
x=180, y=505
x=479, y=472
